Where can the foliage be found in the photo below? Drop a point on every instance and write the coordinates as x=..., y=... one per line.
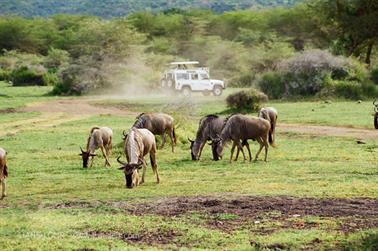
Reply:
x=119, y=8
x=353, y=24
x=272, y=84
x=250, y=100
x=316, y=72
x=374, y=75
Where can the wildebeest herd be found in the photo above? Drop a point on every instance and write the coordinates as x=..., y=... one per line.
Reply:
x=140, y=141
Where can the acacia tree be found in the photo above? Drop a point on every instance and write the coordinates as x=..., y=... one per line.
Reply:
x=354, y=24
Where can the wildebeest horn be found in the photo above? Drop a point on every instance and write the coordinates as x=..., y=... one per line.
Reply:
x=82, y=150
x=124, y=134
x=121, y=162
x=374, y=101
x=191, y=141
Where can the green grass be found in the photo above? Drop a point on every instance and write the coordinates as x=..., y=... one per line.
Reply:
x=45, y=170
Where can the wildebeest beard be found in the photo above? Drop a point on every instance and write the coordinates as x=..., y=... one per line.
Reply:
x=129, y=180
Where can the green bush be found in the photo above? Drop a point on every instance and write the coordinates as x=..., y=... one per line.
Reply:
x=4, y=75
x=250, y=100
x=348, y=89
x=24, y=76
x=374, y=76
x=271, y=83
x=50, y=79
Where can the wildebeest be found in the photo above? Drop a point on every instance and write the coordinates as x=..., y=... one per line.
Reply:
x=3, y=172
x=99, y=137
x=241, y=128
x=158, y=124
x=138, y=143
x=270, y=114
x=209, y=127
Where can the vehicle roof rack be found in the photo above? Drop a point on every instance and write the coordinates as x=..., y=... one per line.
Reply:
x=184, y=63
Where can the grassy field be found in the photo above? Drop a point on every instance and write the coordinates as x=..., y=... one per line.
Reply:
x=53, y=203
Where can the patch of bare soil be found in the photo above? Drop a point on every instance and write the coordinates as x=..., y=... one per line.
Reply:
x=289, y=211
x=265, y=214
x=158, y=237
x=7, y=110
x=329, y=131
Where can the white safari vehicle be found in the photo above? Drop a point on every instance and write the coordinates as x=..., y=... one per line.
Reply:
x=184, y=77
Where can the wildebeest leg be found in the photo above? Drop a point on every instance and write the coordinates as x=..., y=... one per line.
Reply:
x=232, y=150
x=144, y=172
x=92, y=157
x=105, y=156
x=249, y=152
x=261, y=147
x=3, y=187
x=109, y=147
x=266, y=145
x=240, y=147
x=172, y=140
x=154, y=166
x=163, y=137
x=201, y=148
x=237, y=154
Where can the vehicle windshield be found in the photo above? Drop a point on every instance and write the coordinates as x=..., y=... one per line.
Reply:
x=204, y=76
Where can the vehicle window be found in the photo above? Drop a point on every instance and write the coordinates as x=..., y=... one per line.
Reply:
x=194, y=76
x=182, y=76
x=204, y=76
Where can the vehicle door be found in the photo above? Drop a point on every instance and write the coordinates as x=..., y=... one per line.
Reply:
x=182, y=79
x=204, y=83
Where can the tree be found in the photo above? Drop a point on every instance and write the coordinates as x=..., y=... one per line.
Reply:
x=354, y=24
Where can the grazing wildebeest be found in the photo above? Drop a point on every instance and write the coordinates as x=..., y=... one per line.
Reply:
x=158, y=124
x=3, y=172
x=138, y=143
x=209, y=127
x=241, y=128
x=270, y=114
x=99, y=137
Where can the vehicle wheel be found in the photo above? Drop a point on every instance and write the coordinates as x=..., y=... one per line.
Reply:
x=163, y=83
x=170, y=83
x=186, y=91
x=217, y=91
x=206, y=93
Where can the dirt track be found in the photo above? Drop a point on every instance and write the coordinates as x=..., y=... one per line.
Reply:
x=60, y=111
x=74, y=109
x=329, y=131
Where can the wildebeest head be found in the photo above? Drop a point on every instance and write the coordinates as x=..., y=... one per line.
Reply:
x=194, y=149
x=85, y=156
x=217, y=147
x=131, y=172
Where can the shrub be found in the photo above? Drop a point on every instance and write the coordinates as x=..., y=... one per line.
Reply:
x=4, y=75
x=250, y=100
x=348, y=89
x=317, y=72
x=24, y=76
x=271, y=83
x=374, y=76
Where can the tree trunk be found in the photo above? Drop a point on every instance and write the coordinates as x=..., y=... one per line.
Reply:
x=368, y=53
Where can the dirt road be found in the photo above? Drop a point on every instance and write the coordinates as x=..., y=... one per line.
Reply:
x=59, y=111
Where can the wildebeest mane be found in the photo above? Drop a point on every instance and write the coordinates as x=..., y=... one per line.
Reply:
x=203, y=123
x=139, y=123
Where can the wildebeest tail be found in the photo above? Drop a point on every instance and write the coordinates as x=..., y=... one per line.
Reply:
x=5, y=171
x=153, y=164
x=271, y=138
x=174, y=135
